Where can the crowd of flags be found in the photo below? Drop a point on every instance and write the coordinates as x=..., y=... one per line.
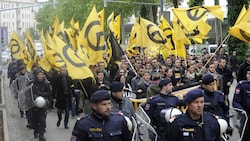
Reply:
x=78, y=48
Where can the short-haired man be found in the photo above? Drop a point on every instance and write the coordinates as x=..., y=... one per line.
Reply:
x=101, y=125
x=195, y=124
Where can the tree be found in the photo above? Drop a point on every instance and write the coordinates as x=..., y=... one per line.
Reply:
x=234, y=8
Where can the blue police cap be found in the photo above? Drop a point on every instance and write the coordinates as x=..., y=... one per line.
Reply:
x=193, y=94
x=99, y=96
x=207, y=79
x=164, y=82
x=116, y=86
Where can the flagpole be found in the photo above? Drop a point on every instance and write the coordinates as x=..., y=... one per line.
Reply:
x=83, y=88
x=130, y=64
x=216, y=51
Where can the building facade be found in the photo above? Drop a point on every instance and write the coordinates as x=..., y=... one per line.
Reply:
x=15, y=18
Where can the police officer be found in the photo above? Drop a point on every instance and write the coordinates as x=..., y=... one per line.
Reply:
x=194, y=125
x=159, y=102
x=241, y=101
x=214, y=101
x=41, y=87
x=119, y=103
x=101, y=124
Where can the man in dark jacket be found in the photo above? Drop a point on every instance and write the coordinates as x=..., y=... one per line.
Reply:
x=62, y=86
x=242, y=69
x=234, y=62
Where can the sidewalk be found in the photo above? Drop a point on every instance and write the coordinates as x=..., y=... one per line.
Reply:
x=17, y=130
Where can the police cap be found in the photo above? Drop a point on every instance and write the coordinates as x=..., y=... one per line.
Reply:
x=207, y=79
x=193, y=94
x=164, y=82
x=99, y=96
x=116, y=86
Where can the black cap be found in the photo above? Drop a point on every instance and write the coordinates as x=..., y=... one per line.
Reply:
x=116, y=86
x=164, y=82
x=38, y=71
x=207, y=79
x=99, y=96
x=193, y=94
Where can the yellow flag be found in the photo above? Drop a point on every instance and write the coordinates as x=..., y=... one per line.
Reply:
x=17, y=48
x=242, y=13
x=31, y=50
x=117, y=28
x=72, y=38
x=180, y=49
x=134, y=40
x=55, y=26
x=101, y=15
x=216, y=11
x=82, y=51
x=190, y=17
x=110, y=19
x=241, y=29
x=152, y=35
x=60, y=32
x=77, y=69
x=167, y=31
x=43, y=62
x=94, y=38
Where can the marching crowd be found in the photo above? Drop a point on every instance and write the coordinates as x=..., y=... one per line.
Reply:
x=109, y=114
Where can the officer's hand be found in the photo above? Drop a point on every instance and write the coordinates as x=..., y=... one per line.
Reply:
x=228, y=83
x=73, y=98
x=139, y=91
x=54, y=100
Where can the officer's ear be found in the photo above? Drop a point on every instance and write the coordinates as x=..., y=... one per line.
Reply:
x=94, y=106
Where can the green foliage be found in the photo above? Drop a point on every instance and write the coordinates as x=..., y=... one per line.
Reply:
x=193, y=3
x=34, y=33
x=234, y=8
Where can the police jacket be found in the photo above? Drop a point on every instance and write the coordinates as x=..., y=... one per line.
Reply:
x=96, y=128
x=183, y=128
x=154, y=106
x=215, y=103
x=41, y=88
x=125, y=106
x=241, y=98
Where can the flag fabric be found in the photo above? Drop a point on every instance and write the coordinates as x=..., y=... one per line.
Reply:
x=190, y=17
x=55, y=26
x=76, y=68
x=43, y=62
x=241, y=28
x=94, y=38
x=60, y=32
x=134, y=40
x=31, y=50
x=117, y=28
x=215, y=11
x=17, y=48
x=101, y=16
x=152, y=35
x=110, y=19
x=116, y=49
x=167, y=31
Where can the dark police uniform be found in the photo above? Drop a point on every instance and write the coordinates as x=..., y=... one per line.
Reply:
x=154, y=106
x=96, y=128
x=39, y=114
x=183, y=128
x=215, y=103
x=241, y=100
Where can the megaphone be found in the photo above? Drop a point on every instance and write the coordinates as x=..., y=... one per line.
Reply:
x=40, y=102
x=168, y=113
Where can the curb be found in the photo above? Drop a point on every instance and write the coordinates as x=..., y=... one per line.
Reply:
x=3, y=109
x=5, y=126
